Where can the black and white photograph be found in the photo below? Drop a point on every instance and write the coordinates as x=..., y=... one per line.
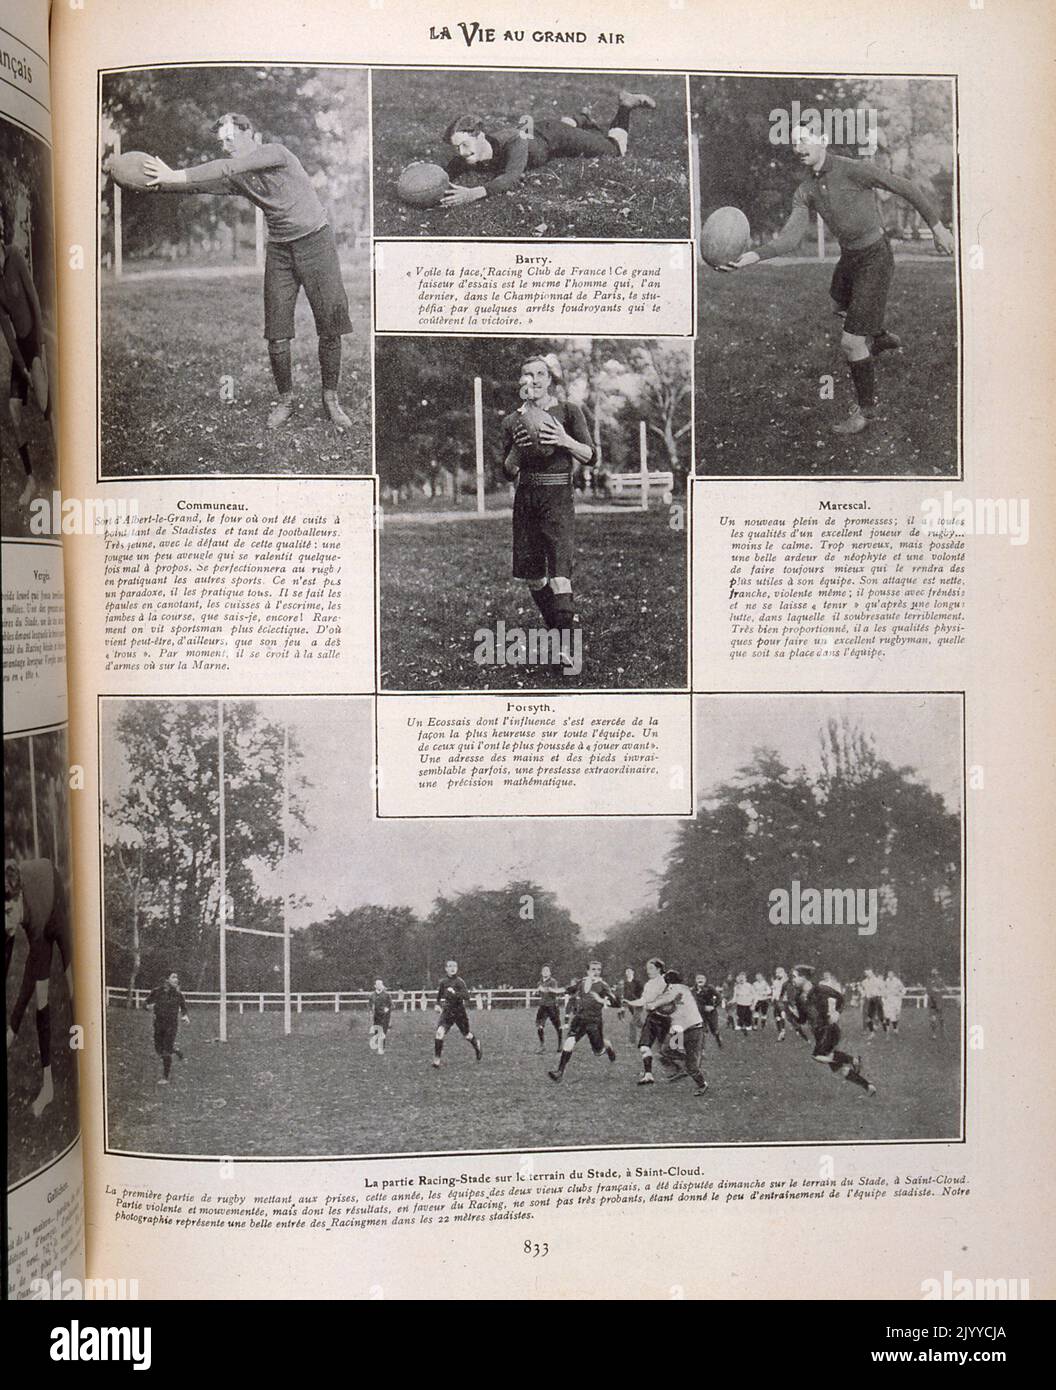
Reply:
x=234, y=246
x=522, y=154
x=42, y=1110
x=28, y=348
x=287, y=975
x=829, y=332
x=535, y=512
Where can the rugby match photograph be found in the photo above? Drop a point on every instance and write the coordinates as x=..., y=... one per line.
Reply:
x=534, y=512
x=828, y=325
x=42, y=1112
x=286, y=975
x=523, y=154
x=27, y=324
x=234, y=241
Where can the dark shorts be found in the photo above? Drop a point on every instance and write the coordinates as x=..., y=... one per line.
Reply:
x=382, y=1021
x=654, y=1030
x=310, y=261
x=589, y=1028
x=29, y=347
x=860, y=286
x=565, y=141
x=165, y=1036
x=744, y=1015
x=544, y=521
x=547, y=1011
x=689, y=1054
x=55, y=933
x=455, y=1018
x=826, y=1038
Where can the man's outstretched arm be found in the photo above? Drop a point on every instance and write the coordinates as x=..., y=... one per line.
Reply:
x=214, y=176
x=786, y=243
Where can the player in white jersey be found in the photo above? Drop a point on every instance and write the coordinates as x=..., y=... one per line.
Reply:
x=894, y=992
x=680, y=1054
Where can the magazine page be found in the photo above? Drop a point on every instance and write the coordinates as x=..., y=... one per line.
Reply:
x=44, y=1236
x=558, y=677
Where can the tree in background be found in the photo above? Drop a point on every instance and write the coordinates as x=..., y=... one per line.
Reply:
x=857, y=822
x=319, y=113
x=161, y=845
x=25, y=186
x=424, y=391
x=741, y=167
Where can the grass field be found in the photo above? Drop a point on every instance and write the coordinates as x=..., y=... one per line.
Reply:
x=167, y=344
x=31, y=1143
x=767, y=336
x=322, y=1091
x=15, y=519
x=644, y=195
x=441, y=581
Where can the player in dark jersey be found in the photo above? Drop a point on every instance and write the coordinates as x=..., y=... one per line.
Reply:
x=301, y=254
x=22, y=324
x=592, y=995
x=452, y=997
x=543, y=505
x=549, y=992
x=169, y=1008
x=380, y=1003
x=505, y=153
x=818, y=1007
x=35, y=900
x=708, y=999
x=936, y=1015
x=842, y=193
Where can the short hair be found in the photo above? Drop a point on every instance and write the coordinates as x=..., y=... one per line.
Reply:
x=464, y=123
x=655, y=960
x=673, y=977
x=452, y=961
x=592, y=963
x=550, y=361
x=236, y=118
x=807, y=970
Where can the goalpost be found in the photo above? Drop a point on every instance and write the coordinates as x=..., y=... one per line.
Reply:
x=225, y=924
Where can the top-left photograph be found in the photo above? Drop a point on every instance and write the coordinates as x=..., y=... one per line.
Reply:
x=234, y=272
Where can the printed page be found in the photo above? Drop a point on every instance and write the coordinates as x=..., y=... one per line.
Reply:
x=44, y=1250
x=558, y=667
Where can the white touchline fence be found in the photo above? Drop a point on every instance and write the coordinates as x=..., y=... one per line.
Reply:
x=408, y=1000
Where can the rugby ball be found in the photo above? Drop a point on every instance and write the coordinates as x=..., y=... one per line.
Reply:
x=127, y=170
x=724, y=236
x=532, y=417
x=422, y=185
x=38, y=375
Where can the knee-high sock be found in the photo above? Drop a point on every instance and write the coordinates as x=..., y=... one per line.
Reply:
x=281, y=370
x=27, y=462
x=563, y=610
x=330, y=361
x=44, y=1035
x=863, y=374
x=166, y=1064
x=544, y=601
